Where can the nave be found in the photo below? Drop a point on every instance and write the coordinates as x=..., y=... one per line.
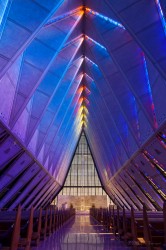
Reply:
x=82, y=124
x=67, y=229
x=82, y=232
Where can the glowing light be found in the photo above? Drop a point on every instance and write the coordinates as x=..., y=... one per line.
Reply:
x=83, y=123
x=163, y=135
x=136, y=116
x=162, y=139
x=107, y=19
x=79, y=112
x=85, y=110
x=66, y=15
x=84, y=118
x=81, y=38
x=3, y=9
x=79, y=91
x=86, y=90
x=81, y=76
x=81, y=109
x=81, y=100
x=152, y=160
x=150, y=91
x=85, y=74
x=86, y=100
x=161, y=15
x=91, y=61
x=93, y=41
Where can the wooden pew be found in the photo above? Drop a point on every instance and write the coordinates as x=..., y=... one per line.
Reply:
x=16, y=230
x=30, y=227
x=145, y=228
x=49, y=221
x=37, y=229
x=138, y=228
x=164, y=217
x=44, y=224
x=60, y=218
x=12, y=231
x=154, y=230
x=115, y=220
x=124, y=225
x=57, y=219
x=106, y=218
x=54, y=220
x=26, y=235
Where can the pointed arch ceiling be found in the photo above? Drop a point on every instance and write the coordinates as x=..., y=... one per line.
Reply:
x=95, y=65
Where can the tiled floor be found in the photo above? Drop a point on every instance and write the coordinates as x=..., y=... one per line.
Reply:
x=82, y=233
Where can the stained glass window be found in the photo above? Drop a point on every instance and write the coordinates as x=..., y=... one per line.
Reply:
x=82, y=178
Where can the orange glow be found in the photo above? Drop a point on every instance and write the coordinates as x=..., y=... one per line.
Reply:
x=81, y=100
x=80, y=90
x=89, y=10
x=80, y=13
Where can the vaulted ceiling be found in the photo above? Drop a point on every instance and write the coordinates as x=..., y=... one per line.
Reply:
x=73, y=65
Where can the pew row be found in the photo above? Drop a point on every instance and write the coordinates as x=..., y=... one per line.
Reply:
x=22, y=229
x=136, y=228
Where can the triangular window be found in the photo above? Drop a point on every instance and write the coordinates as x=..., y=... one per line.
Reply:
x=82, y=178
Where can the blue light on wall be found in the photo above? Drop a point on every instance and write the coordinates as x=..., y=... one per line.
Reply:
x=61, y=17
x=161, y=15
x=150, y=91
x=105, y=18
x=91, y=61
x=93, y=41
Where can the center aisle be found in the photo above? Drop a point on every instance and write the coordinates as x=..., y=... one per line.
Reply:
x=82, y=233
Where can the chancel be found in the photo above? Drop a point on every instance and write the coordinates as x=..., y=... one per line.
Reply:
x=82, y=124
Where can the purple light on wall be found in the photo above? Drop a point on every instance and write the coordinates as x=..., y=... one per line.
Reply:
x=150, y=91
x=150, y=158
x=136, y=116
x=89, y=77
x=162, y=139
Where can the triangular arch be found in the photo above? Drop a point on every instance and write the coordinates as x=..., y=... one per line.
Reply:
x=82, y=178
